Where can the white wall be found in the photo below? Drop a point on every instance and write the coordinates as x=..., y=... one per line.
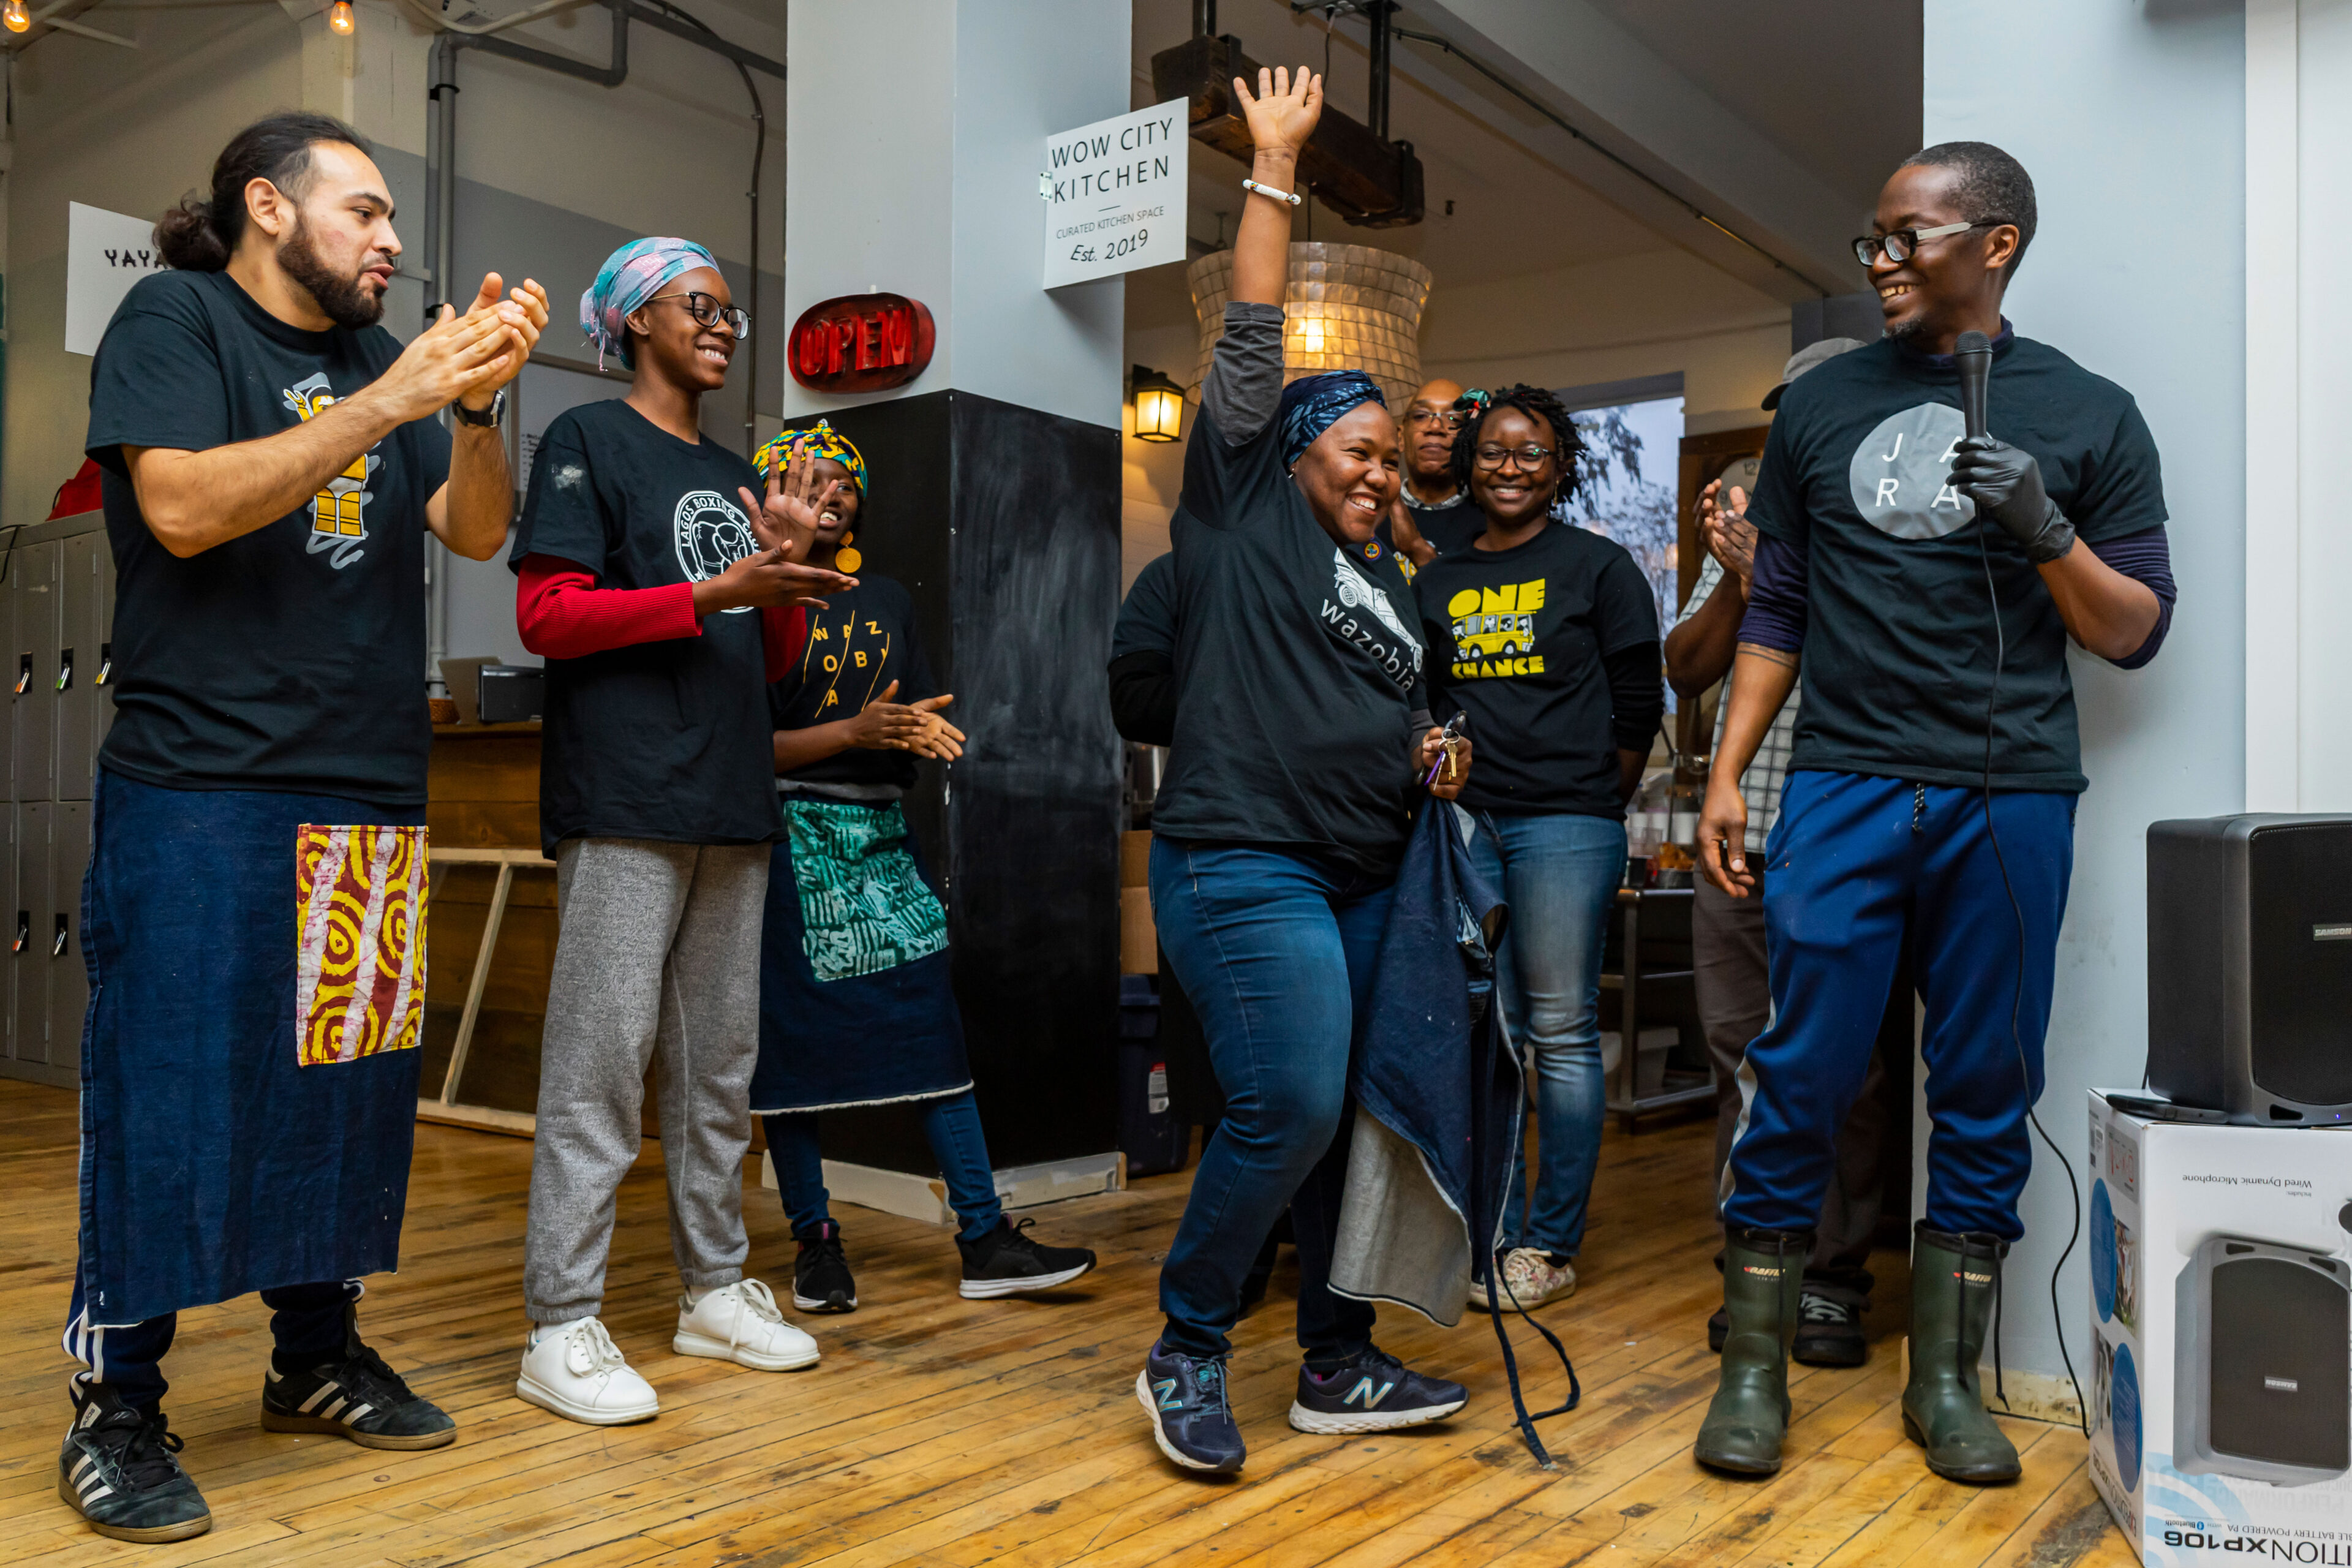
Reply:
x=2115, y=111
x=929, y=190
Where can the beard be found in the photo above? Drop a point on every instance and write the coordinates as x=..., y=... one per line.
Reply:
x=341, y=300
x=1907, y=331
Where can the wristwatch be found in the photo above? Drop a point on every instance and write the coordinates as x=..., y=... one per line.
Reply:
x=488, y=418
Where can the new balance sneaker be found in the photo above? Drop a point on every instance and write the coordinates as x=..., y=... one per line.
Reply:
x=1006, y=1262
x=119, y=1470
x=1829, y=1332
x=1373, y=1392
x=1190, y=1419
x=1532, y=1276
x=355, y=1396
x=741, y=1323
x=821, y=1277
x=576, y=1370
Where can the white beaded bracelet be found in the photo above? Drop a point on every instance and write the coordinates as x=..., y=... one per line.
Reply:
x=1293, y=197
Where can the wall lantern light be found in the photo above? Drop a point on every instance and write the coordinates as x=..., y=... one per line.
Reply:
x=1158, y=406
x=1344, y=307
x=340, y=17
x=14, y=14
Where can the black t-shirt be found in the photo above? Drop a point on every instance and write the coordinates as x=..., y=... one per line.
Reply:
x=1447, y=528
x=1517, y=638
x=1147, y=617
x=1143, y=657
x=1297, y=668
x=291, y=658
x=659, y=739
x=858, y=645
x=1899, y=640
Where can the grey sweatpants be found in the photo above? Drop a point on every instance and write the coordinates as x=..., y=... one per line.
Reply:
x=656, y=959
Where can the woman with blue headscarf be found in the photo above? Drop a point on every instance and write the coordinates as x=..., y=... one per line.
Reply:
x=1301, y=737
x=640, y=556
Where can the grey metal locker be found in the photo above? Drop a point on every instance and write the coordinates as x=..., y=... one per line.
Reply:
x=36, y=571
x=68, y=975
x=102, y=677
x=8, y=957
x=10, y=584
x=81, y=628
x=35, y=921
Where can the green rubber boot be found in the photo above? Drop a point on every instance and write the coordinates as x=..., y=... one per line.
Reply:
x=1955, y=1283
x=1763, y=1270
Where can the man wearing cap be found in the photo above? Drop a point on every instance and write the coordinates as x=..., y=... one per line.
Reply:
x=1432, y=517
x=1735, y=999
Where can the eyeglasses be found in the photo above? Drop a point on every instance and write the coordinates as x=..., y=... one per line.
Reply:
x=708, y=312
x=1899, y=246
x=1530, y=457
x=1445, y=418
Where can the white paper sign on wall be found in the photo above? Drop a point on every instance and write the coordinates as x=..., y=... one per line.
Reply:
x=1114, y=194
x=106, y=253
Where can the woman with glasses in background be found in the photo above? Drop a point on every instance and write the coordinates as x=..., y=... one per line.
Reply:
x=1546, y=637
x=665, y=595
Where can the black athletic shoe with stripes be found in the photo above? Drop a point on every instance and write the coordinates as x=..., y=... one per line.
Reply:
x=356, y=1396
x=119, y=1469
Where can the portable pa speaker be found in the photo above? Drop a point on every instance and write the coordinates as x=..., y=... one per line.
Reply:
x=510, y=693
x=2263, y=1364
x=2249, y=967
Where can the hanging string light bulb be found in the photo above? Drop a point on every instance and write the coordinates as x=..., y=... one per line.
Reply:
x=339, y=17
x=17, y=18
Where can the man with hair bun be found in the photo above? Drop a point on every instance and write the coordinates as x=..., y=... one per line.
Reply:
x=254, y=907
x=1928, y=583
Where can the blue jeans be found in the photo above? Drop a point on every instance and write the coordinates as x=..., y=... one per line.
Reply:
x=1560, y=874
x=952, y=1126
x=1852, y=861
x=1259, y=939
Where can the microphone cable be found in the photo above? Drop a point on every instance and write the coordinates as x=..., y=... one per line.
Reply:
x=2017, y=1003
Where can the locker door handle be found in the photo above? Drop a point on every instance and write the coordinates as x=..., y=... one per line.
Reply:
x=23, y=673
x=65, y=668
x=57, y=948
x=105, y=664
x=23, y=932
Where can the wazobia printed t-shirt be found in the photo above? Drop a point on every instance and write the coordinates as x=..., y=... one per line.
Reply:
x=666, y=739
x=1900, y=639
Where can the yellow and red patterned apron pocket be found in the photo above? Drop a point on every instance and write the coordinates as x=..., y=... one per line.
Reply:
x=359, y=932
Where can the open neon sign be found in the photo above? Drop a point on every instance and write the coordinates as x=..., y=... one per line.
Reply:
x=860, y=342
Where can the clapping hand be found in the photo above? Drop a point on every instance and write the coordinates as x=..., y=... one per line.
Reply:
x=883, y=725
x=1729, y=537
x=787, y=519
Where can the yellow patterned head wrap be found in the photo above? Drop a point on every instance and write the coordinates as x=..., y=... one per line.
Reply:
x=820, y=440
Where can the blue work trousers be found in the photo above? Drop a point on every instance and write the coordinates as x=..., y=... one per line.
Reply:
x=1852, y=860
x=951, y=1124
x=1275, y=949
x=1560, y=874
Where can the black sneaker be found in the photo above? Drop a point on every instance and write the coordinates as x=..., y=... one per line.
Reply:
x=355, y=1396
x=1006, y=1262
x=1829, y=1332
x=1372, y=1393
x=119, y=1470
x=1191, y=1420
x=821, y=1278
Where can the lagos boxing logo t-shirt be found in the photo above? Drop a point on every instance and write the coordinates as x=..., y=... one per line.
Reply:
x=711, y=534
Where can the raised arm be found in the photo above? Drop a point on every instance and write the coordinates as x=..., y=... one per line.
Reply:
x=1281, y=115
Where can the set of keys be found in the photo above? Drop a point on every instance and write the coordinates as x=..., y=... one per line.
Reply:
x=1450, y=740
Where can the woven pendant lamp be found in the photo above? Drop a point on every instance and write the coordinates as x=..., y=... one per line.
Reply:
x=1348, y=306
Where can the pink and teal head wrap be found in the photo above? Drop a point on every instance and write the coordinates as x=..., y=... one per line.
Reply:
x=819, y=440
x=631, y=276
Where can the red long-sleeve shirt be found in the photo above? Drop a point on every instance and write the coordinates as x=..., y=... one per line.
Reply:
x=563, y=614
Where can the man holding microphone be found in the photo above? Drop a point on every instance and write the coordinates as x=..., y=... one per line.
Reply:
x=1927, y=584
x=255, y=925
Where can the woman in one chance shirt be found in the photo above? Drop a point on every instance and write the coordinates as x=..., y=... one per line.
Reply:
x=1545, y=637
x=662, y=606
x=1279, y=828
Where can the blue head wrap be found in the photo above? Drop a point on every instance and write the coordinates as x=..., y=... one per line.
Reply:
x=1313, y=403
x=631, y=276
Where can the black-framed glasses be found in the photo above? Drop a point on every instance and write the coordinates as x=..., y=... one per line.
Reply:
x=707, y=310
x=1899, y=246
x=1530, y=457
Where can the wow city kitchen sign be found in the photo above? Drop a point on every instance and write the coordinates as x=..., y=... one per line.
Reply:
x=1114, y=194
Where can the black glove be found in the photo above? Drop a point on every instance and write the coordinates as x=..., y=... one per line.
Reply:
x=2006, y=484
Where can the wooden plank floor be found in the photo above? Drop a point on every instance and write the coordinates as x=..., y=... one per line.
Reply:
x=940, y=1432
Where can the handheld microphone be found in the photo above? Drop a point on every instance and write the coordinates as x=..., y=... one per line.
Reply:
x=1973, y=354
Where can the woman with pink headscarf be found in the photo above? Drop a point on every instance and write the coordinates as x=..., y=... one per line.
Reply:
x=641, y=557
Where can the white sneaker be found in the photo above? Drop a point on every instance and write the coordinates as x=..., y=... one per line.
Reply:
x=741, y=1323
x=576, y=1370
x=1530, y=1278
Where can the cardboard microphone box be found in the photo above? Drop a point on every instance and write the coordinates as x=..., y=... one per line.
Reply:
x=2220, y=1388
